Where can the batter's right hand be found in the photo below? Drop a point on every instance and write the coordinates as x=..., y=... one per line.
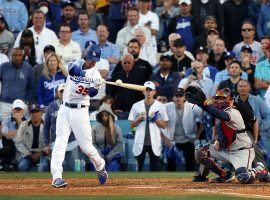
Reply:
x=217, y=145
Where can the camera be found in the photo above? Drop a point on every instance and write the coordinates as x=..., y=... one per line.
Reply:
x=194, y=71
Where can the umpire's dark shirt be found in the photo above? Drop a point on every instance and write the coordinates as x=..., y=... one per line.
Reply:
x=125, y=98
x=141, y=66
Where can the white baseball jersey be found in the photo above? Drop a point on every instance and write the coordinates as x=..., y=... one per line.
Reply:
x=77, y=88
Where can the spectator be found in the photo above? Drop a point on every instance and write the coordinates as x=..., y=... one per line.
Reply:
x=44, y=6
x=109, y=50
x=261, y=112
x=216, y=55
x=235, y=71
x=202, y=56
x=165, y=13
x=84, y=33
x=182, y=128
x=3, y=58
x=148, y=116
x=17, y=82
x=141, y=66
x=116, y=18
x=263, y=27
x=245, y=57
x=235, y=12
x=210, y=23
x=225, y=74
x=184, y=24
x=6, y=37
x=30, y=143
x=161, y=98
x=180, y=62
x=107, y=138
x=42, y=35
x=15, y=14
x=262, y=73
x=202, y=9
x=165, y=79
x=55, y=10
x=172, y=37
x=95, y=18
x=27, y=43
x=108, y=100
x=211, y=38
x=11, y=125
x=148, y=19
x=264, y=42
x=127, y=33
x=7, y=152
x=68, y=17
x=248, y=34
x=38, y=69
x=72, y=151
x=65, y=47
x=53, y=75
x=125, y=98
x=148, y=52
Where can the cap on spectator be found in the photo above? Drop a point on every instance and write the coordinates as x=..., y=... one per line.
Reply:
x=18, y=103
x=150, y=85
x=202, y=49
x=212, y=31
x=165, y=56
x=188, y=2
x=229, y=54
x=34, y=107
x=2, y=17
x=48, y=48
x=210, y=18
x=246, y=47
x=179, y=92
x=61, y=87
x=179, y=43
x=42, y=3
x=27, y=33
x=67, y=3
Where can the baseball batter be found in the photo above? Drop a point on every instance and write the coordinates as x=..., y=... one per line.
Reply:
x=73, y=115
x=232, y=144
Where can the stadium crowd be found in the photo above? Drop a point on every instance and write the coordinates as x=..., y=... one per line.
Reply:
x=165, y=45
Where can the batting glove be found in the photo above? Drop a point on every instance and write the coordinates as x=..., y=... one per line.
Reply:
x=97, y=82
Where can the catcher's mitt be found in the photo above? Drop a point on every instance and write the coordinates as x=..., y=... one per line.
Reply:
x=195, y=95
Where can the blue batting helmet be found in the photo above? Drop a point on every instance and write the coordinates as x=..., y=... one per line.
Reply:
x=93, y=53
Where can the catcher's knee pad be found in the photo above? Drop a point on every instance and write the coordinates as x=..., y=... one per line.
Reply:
x=201, y=150
x=243, y=175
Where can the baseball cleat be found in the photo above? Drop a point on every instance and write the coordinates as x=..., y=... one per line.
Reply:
x=199, y=178
x=102, y=176
x=59, y=183
x=227, y=179
x=261, y=173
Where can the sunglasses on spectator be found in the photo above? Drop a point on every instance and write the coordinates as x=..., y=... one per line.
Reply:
x=247, y=29
x=125, y=63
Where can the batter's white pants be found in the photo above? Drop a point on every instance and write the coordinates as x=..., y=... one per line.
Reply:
x=77, y=120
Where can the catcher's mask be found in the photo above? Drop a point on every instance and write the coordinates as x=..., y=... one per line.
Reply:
x=222, y=98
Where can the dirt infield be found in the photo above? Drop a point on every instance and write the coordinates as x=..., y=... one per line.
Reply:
x=153, y=186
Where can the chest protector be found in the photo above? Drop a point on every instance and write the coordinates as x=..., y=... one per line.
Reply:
x=226, y=134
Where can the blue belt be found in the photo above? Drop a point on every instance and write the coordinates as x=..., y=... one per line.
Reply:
x=75, y=105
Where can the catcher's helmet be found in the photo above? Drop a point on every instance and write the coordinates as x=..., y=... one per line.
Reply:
x=93, y=53
x=222, y=98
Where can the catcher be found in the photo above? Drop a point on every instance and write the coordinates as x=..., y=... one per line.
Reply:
x=231, y=142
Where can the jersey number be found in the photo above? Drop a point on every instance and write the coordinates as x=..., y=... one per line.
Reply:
x=82, y=90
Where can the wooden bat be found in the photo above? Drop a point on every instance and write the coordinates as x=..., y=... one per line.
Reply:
x=126, y=85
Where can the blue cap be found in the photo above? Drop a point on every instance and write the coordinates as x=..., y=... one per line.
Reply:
x=93, y=53
x=230, y=54
x=246, y=47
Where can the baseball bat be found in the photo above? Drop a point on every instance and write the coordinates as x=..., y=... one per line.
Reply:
x=127, y=85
